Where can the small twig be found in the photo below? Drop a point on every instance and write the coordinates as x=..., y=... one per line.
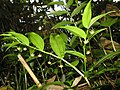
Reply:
x=29, y=70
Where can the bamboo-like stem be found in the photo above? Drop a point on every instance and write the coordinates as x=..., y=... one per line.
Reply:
x=29, y=70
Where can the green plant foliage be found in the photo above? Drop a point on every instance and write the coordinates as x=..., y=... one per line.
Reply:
x=86, y=18
x=73, y=44
x=109, y=22
x=106, y=57
x=63, y=23
x=76, y=31
x=57, y=44
x=64, y=37
x=58, y=3
x=95, y=33
x=36, y=40
x=12, y=44
x=20, y=37
x=74, y=63
x=69, y=3
x=93, y=20
x=76, y=54
x=59, y=13
x=78, y=9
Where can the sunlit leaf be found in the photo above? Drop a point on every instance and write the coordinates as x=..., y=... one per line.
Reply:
x=93, y=20
x=36, y=40
x=95, y=33
x=64, y=37
x=56, y=2
x=20, y=37
x=75, y=30
x=78, y=54
x=57, y=45
x=63, y=23
x=86, y=18
x=58, y=13
x=9, y=35
x=78, y=9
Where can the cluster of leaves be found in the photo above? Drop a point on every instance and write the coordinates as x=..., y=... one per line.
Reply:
x=69, y=54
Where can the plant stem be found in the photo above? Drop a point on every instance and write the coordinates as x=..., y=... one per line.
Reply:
x=84, y=51
x=112, y=39
x=78, y=71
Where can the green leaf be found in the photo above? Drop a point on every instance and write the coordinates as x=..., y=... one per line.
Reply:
x=20, y=37
x=78, y=54
x=74, y=63
x=75, y=30
x=93, y=20
x=12, y=44
x=78, y=9
x=36, y=40
x=56, y=2
x=63, y=23
x=64, y=37
x=10, y=55
x=106, y=70
x=74, y=41
x=86, y=18
x=106, y=57
x=95, y=33
x=59, y=13
x=69, y=3
x=9, y=35
x=57, y=44
x=109, y=22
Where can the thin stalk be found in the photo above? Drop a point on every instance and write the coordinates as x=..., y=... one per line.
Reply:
x=78, y=71
x=41, y=71
x=112, y=39
x=85, y=61
x=16, y=78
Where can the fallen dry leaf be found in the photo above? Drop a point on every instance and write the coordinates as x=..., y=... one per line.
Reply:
x=76, y=81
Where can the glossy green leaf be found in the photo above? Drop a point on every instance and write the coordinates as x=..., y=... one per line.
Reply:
x=59, y=13
x=78, y=9
x=69, y=3
x=87, y=14
x=78, y=54
x=74, y=63
x=20, y=37
x=95, y=33
x=9, y=35
x=64, y=37
x=93, y=20
x=63, y=23
x=36, y=40
x=57, y=45
x=106, y=57
x=56, y=2
x=75, y=30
